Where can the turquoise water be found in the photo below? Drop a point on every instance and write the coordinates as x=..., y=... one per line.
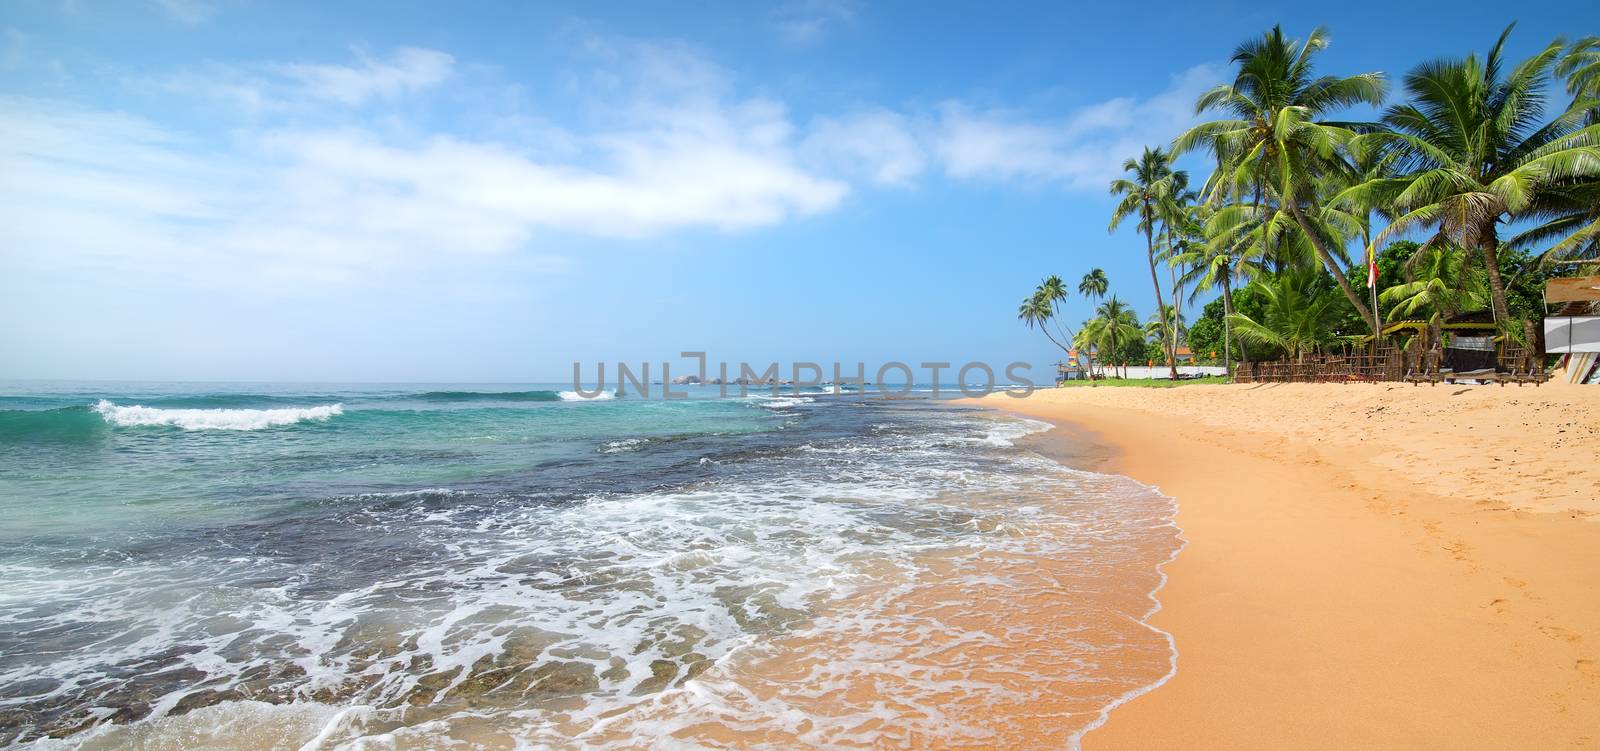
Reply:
x=86, y=457
x=507, y=566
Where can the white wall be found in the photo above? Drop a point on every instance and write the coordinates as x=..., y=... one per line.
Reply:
x=1161, y=371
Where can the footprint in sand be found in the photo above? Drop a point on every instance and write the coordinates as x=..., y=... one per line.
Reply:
x=1557, y=632
x=1589, y=668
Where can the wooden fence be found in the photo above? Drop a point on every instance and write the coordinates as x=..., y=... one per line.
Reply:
x=1388, y=364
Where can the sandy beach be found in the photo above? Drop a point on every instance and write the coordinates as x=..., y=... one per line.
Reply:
x=1368, y=566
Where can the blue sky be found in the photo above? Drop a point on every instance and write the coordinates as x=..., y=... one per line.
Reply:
x=236, y=190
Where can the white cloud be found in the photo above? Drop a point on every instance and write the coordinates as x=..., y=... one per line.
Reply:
x=190, y=12
x=409, y=70
x=265, y=89
x=1084, y=150
x=879, y=144
x=313, y=188
x=803, y=22
x=99, y=186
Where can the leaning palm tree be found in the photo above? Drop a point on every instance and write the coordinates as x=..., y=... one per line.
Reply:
x=1149, y=184
x=1053, y=290
x=1276, y=145
x=1034, y=311
x=1473, y=155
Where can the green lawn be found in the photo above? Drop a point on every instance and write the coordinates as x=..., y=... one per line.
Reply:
x=1147, y=383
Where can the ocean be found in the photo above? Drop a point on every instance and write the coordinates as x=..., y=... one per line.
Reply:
x=402, y=566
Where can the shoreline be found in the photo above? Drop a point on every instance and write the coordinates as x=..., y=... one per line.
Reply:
x=1361, y=571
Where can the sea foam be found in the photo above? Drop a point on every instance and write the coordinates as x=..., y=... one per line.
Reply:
x=212, y=419
x=573, y=396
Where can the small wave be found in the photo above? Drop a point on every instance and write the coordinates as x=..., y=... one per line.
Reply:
x=212, y=419
x=628, y=444
x=1005, y=433
x=573, y=396
x=488, y=396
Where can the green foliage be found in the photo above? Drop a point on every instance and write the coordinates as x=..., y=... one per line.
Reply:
x=1205, y=334
x=1144, y=383
x=1298, y=312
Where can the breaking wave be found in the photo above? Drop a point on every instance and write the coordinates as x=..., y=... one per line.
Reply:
x=212, y=419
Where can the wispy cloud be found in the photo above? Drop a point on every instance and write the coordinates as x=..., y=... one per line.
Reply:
x=1083, y=150
x=277, y=87
x=189, y=12
x=880, y=145
x=409, y=70
x=803, y=22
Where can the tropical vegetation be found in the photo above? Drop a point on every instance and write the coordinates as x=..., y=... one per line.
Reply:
x=1469, y=184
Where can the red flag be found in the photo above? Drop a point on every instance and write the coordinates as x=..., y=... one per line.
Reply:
x=1372, y=269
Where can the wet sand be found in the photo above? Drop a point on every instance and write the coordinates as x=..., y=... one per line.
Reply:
x=1368, y=566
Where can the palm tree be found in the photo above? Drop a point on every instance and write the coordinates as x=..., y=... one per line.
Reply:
x=1275, y=141
x=1093, y=286
x=1142, y=193
x=1160, y=327
x=1226, y=250
x=1112, y=328
x=1441, y=282
x=1581, y=68
x=1053, y=290
x=1175, y=219
x=1035, y=310
x=1472, y=153
x=1298, y=316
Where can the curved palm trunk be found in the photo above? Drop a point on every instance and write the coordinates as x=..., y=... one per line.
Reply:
x=1333, y=268
x=1150, y=255
x=1227, y=326
x=1490, y=247
x=1177, y=294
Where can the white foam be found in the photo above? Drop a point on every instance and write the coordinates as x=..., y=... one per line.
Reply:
x=213, y=419
x=573, y=396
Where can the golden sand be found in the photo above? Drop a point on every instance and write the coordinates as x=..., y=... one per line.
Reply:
x=1368, y=566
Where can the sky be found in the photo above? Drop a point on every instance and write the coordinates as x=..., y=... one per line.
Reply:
x=406, y=191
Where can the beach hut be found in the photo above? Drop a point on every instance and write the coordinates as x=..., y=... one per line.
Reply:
x=1574, y=330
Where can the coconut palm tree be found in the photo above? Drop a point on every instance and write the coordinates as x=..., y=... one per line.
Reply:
x=1053, y=290
x=1472, y=153
x=1150, y=182
x=1226, y=250
x=1157, y=328
x=1275, y=145
x=1298, y=315
x=1034, y=311
x=1093, y=286
x=1112, y=328
x=1581, y=67
x=1174, y=210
